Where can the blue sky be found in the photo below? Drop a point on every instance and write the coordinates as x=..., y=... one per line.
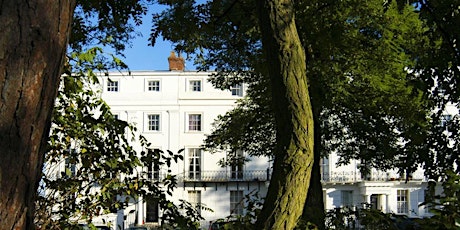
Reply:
x=143, y=57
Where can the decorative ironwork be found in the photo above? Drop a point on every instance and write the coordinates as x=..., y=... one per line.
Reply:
x=264, y=175
x=227, y=176
x=350, y=177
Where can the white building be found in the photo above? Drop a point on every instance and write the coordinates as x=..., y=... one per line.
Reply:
x=175, y=110
x=387, y=191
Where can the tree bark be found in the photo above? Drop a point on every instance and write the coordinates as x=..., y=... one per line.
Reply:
x=32, y=49
x=293, y=162
x=313, y=211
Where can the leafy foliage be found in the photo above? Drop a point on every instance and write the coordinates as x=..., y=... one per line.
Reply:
x=102, y=172
x=207, y=24
x=253, y=204
x=365, y=217
x=92, y=168
x=370, y=109
x=438, y=67
x=367, y=102
x=446, y=207
x=247, y=127
x=107, y=23
x=358, y=56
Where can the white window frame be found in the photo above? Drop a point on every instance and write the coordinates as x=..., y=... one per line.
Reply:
x=195, y=163
x=347, y=198
x=147, y=123
x=237, y=90
x=152, y=88
x=236, y=202
x=192, y=87
x=237, y=171
x=402, y=201
x=113, y=88
x=153, y=170
x=194, y=198
x=194, y=127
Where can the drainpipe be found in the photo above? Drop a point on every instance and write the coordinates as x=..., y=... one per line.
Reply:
x=169, y=129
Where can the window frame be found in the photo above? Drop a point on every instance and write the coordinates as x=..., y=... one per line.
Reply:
x=194, y=198
x=194, y=127
x=236, y=202
x=152, y=211
x=148, y=86
x=192, y=87
x=236, y=90
x=148, y=122
x=153, y=170
x=113, y=88
x=402, y=201
x=237, y=170
x=346, y=198
x=195, y=163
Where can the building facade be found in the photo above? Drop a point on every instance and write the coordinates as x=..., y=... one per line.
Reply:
x=175, y=110
x=388, y=191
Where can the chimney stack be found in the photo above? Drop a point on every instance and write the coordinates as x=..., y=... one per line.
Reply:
x=176, y=63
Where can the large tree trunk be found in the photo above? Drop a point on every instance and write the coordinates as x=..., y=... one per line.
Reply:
x=32, y=49
x=313, y=211
x=293, y=116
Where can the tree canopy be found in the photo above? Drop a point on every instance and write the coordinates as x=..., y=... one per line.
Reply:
x=370, y=77
x=85, y=136
x=365, y=65
x=344, y=52
x=103, y=171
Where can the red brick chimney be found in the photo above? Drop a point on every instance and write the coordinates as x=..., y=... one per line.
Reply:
x=176, y=63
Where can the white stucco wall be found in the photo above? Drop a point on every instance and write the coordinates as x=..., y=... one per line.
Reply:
x=133, y=102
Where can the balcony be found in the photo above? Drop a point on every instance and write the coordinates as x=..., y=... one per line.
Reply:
x=352, y=177
x=226, y=176
x=264, y=175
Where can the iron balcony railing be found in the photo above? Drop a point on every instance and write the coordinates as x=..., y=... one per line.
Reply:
x=225, y=176
x=349, y=177
x=265, y=175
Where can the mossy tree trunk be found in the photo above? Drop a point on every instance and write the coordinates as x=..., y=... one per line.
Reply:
x=32, y=49
x=313, y=211
x=293, y=116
